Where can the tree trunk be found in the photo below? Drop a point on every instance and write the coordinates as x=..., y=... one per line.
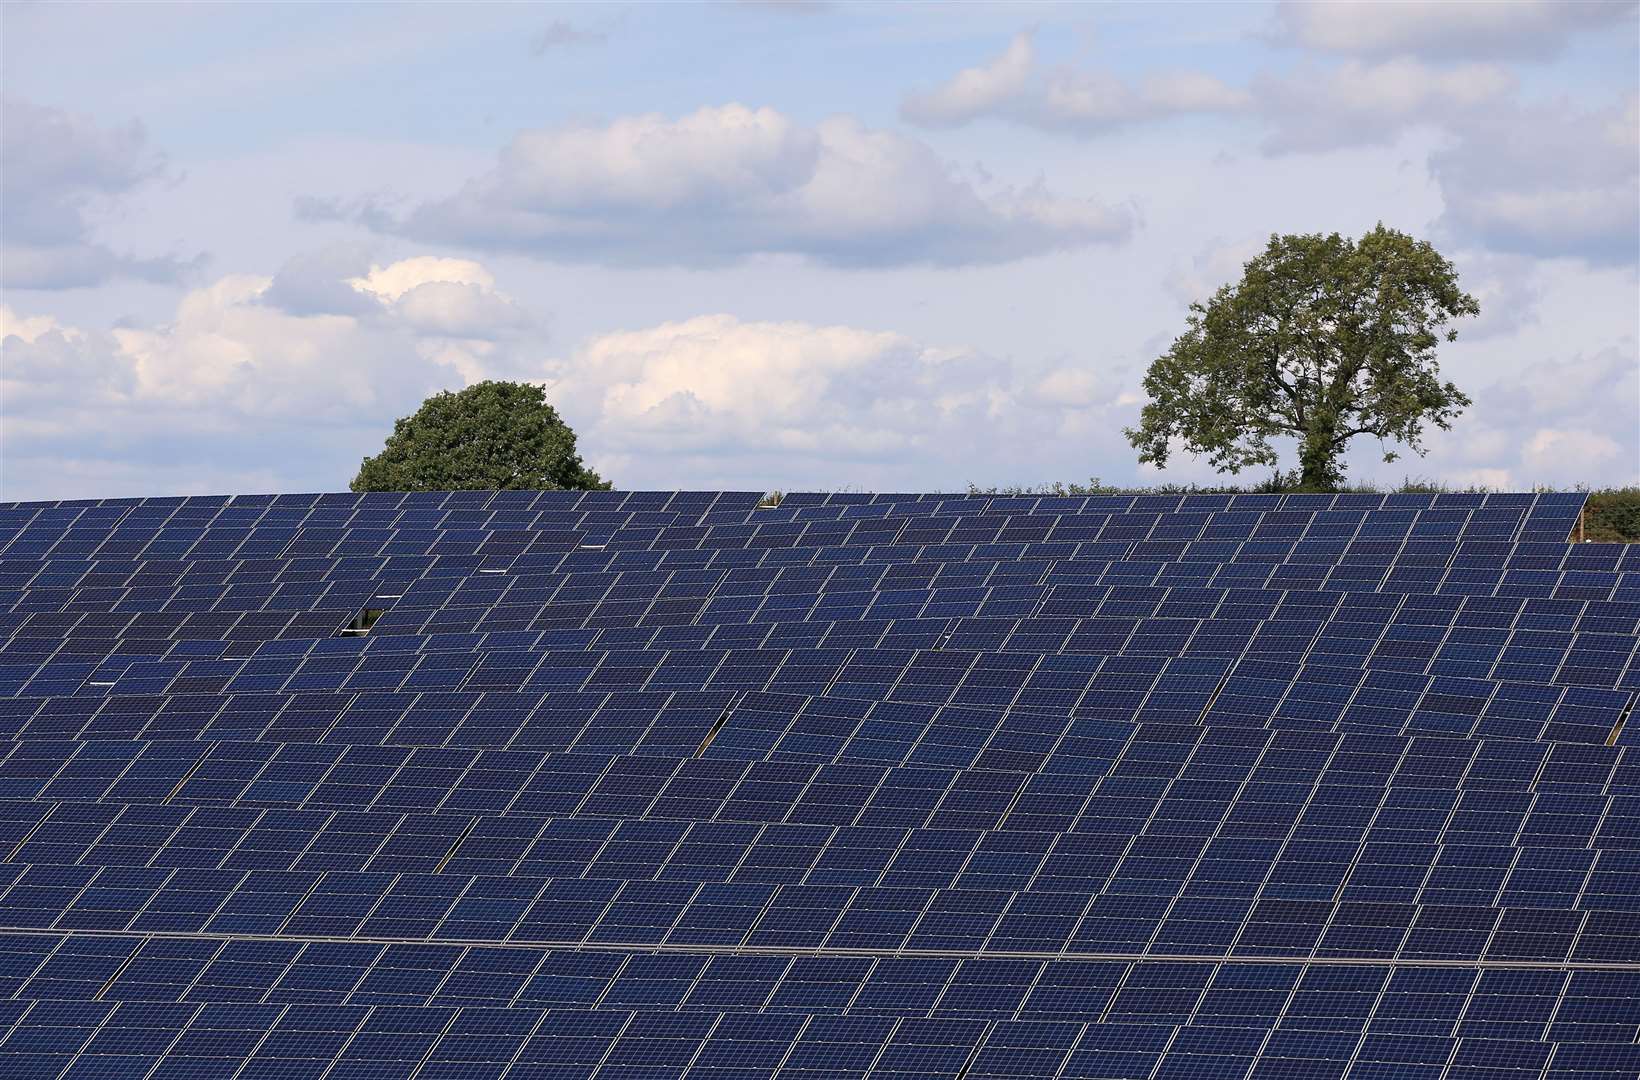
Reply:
x=1318, y=461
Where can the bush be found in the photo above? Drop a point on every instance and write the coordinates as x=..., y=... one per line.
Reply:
x=1612, y=515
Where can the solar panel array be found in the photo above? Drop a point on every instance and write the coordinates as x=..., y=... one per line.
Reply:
x=624, y=786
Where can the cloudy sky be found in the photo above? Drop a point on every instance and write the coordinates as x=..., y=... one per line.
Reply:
x=779, y=245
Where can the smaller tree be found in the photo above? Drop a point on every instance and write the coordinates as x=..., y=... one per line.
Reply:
x=490, y=436
x=1324, y=338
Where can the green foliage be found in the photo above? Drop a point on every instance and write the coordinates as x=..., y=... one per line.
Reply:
x=1613, y=516
x=1058, y=487
x=490, y=436
x=1324, y=338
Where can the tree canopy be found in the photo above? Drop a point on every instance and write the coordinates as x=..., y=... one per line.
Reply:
x=490, y=436
x=1323, y=339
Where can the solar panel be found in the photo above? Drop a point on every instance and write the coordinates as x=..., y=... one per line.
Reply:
x=617, y=784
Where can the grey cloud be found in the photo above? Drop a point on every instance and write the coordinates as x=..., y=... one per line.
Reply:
x=1545, y=180
x=76, y=265
x=724, y=184
x=1315, y=109
x=372, y=211
x=561, y=35
x=1311, y=107
x=61, y=172
x=1508, y=293
x=315, y=283
x=789, y=7
x=1444, y=29
x=1541, y=179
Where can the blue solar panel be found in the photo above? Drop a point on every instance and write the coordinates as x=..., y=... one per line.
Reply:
x=616, y=784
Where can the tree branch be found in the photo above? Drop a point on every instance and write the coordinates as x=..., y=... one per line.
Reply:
x=1344, y=437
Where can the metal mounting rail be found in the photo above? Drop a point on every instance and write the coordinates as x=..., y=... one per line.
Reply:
x=820, y=951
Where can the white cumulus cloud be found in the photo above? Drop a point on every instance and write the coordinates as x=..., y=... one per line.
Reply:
x=443, y=297
x=785, y=402
x=1566, y=421
x=1551, y=451
x=726, y=183
x=1013, y=86
x=231, y=378
x=234, y=389
x=974, y=91
x=28, y=328
x=394, y=280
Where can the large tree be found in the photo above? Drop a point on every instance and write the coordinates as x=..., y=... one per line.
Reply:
x=1323, y=339
x=490, y=436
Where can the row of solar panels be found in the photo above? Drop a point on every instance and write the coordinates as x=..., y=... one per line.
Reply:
x=1031, y=753
x=798, y=619
x=1381, y=907
x=632, y=822
x=556, y=700
x=790, y=597
x=487, y=580
x=107, y=510
x=38, y=585
x=888, y=521
x=84, y=524
x=1369, y=673
x=1036, y=764
x=814, y=544
x=946, y=604
x=805, y=618
x=1355, y=629
x=1348, y=800
x=33, y=525
x=1325, y=689
x=800, y=729
x=1285, y=1024
x=749, y=916
x=981, y=665
x=1409, y=1000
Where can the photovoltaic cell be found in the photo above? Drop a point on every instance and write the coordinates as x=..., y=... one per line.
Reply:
x=617, y=784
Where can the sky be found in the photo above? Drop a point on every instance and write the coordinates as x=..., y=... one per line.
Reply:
x=795, y=246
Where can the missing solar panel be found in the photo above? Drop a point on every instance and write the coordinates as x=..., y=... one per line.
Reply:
x=362, y=622
x=973, y=1054
x=182, y=782
x=115, y=977
x=450, y=854
x=1214, y=696
x=717, y=725
x=1622, y=719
